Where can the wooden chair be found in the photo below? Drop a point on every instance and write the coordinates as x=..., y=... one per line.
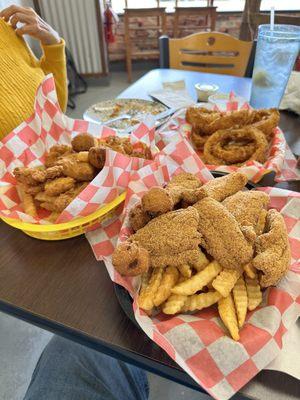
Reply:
x=213, y=52
x=209, y=13
x=131, y=41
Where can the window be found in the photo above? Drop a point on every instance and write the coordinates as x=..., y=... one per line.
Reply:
x=223, y=5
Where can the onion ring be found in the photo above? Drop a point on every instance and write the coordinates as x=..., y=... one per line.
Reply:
x=223, y=147
x=205, y=122
x=266, y=121
x=234, y=152
x=198, y=140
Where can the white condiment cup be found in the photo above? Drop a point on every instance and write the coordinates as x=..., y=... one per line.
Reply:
x=221, y=99
x=204, y=90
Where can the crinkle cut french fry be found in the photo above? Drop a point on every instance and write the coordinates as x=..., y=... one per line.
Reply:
x=201, y=262
x=147, y=293
x=28, y=202
x=240, y=300
x=185, y=270
x=225, y=281
x=199, y=280
x=254, y=293
x=174, y=304
x=210, y=286
x=168, y=280
x=200, y=301
x=227, y=313
x=250, y=271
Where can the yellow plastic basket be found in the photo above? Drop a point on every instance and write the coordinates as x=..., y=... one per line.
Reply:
x=68, y=229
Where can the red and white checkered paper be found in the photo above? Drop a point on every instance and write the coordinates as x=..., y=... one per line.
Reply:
x=198, y=342
x=28, y=143
x=281, y=159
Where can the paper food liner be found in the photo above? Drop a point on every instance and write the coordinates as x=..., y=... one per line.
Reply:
x=281, y=159
x=27, y=146
x=199, y=343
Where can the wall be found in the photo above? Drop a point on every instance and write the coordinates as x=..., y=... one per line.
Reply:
x=226, y=22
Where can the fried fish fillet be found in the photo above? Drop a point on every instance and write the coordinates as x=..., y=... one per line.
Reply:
x=223, y=238
x=170, y=234
x=273, y=251
x=246, y=207
x=184, y=180
x=220, y=188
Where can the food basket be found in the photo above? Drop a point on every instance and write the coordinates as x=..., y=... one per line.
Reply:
x=279, y=152
x=69, y=229
x=27, y=146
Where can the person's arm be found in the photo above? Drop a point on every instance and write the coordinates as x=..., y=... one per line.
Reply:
x=53, y=59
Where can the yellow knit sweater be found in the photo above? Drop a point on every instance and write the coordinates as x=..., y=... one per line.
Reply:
x=20, y=75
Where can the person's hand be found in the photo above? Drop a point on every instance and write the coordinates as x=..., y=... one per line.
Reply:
x=33, y=24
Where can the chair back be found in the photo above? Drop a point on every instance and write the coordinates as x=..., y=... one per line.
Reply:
x=213, y=52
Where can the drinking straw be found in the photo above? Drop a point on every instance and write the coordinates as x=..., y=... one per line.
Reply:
x=272, y=18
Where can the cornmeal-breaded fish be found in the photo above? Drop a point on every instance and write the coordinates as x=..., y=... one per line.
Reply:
x=170, y=234
x=184, y=180
x=220, y=188
x=273, y=251
x=246, y=207
x=223, y=238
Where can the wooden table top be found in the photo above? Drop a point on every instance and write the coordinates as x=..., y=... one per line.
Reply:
x=60, y=286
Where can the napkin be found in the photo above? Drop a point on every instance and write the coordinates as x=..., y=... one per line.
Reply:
x=173, y=95
x=291, y=98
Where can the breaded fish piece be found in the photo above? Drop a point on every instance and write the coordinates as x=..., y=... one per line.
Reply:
x=220, y=188
x=184, y=180
x=223, y=238
x=170, y=234
x=246, y=207
x=273, y=250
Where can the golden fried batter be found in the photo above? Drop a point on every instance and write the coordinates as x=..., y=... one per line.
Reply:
x=184, y=180
x=261, y=223
x=81, y=171
x=97, y=156
x=222, y=236
x=246, y=207
x=83, y=142
x=209, y=121
x=55, y=153
x=190, y=257
x=59, y=185
x=64, y=199
x=220, y=188
x=130, y=259
x=30, y=176
x=43, y=197
x=266, y=120
x=170, y=234
x=157, y=201
x=138, y=218
x=273, y=251
x=215, y=151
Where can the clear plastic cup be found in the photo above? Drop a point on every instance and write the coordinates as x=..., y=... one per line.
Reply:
x=275, y=57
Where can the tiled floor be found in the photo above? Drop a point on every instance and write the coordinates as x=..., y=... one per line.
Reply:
x=21, y=343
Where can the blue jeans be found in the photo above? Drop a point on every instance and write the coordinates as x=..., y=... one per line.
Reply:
x=69, y=371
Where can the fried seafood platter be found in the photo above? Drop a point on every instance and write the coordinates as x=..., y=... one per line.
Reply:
x=232, y=138
x=67, y=171
x=200, y=245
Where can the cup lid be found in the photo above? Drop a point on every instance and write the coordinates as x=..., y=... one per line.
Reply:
x=206, y=87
